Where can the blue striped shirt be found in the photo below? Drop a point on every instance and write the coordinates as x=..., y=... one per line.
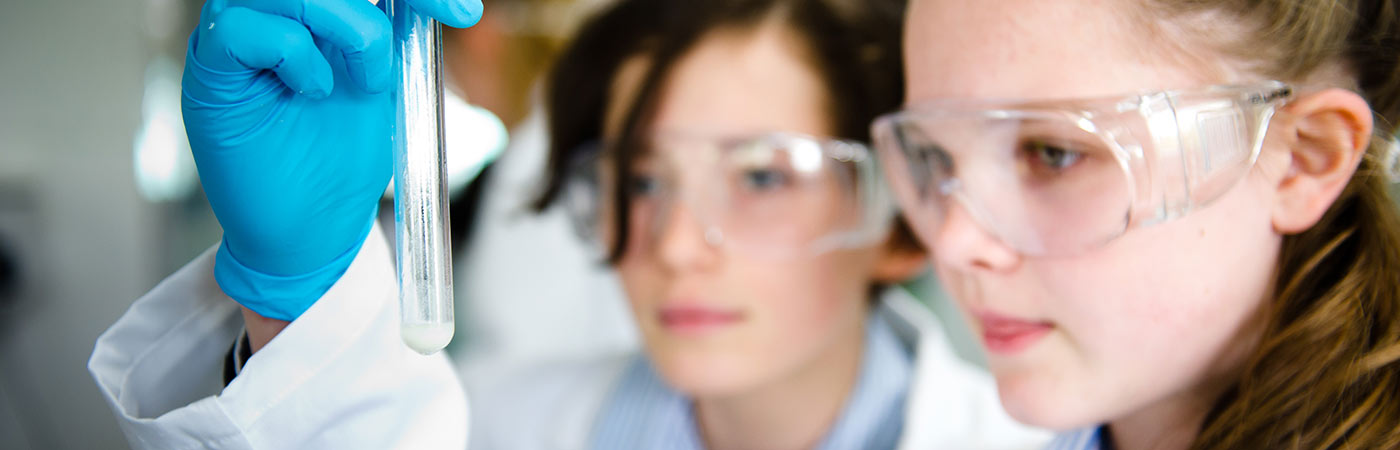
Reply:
x=643, y=412
x=1081, y=439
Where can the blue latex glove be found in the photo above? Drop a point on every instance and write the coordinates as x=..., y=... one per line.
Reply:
x=286, y=107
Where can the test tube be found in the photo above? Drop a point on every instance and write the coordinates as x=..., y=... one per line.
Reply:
x=420, y=182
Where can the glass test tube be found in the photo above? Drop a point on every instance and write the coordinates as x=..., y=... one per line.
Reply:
x=420, y=182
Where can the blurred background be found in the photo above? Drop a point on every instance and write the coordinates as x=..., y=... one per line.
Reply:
x=98, y=196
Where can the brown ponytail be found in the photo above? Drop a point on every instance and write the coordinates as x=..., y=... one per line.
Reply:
x=1326, y=373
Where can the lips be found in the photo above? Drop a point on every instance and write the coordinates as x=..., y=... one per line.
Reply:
x=697, y=319
x=1008, y=335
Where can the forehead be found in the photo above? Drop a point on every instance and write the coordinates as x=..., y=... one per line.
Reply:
x=734, y=83
x=1035, y=49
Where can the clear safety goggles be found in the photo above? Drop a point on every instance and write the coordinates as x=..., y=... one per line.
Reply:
x=1059, y=178
x=772, y=195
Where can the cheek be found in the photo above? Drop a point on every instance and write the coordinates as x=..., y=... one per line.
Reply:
x=1159, y=312
x=1166, y=329
x=644, y=285
x=1192, y=315
x=1197, y=277
x=798, y=303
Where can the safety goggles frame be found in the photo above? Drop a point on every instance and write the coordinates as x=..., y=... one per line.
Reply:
x=1178, y=151
x=583, y=194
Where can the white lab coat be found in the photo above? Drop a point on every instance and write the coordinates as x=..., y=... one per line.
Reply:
x=339, y=377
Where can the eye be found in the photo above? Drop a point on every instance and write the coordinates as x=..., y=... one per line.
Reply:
x=643, y=185
x=928, y=164
x=763, y=179
x=1050, y=156
x=936, y=159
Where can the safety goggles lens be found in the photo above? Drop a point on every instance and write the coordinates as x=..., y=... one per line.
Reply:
x=1061, y=178
x=772, y=195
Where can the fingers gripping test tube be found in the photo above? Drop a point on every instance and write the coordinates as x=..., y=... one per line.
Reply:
x=420, y=193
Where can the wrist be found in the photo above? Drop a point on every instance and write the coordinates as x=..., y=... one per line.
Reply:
x=261, y=329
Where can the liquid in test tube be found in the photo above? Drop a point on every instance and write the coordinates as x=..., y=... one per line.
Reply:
x=420, y=194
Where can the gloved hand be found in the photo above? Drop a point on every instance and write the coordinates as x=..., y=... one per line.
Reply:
x=286, y=107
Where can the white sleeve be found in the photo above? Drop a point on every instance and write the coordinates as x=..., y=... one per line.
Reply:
x=338, y=377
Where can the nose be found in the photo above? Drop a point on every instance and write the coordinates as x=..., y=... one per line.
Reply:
x=964, y=244
x=685, y=243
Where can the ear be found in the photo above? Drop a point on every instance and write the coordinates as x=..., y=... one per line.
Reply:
x=900, y=260
x=1326, y=139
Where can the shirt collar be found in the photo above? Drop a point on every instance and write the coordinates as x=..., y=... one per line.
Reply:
x=643, y=412
x=1090, y=438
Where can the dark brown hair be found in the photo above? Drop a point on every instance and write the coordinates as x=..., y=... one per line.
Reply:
x=1326, y=372
x=854, y=47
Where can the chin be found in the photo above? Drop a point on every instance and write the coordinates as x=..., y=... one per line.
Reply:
x=700, y=376
x=1035, y=402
